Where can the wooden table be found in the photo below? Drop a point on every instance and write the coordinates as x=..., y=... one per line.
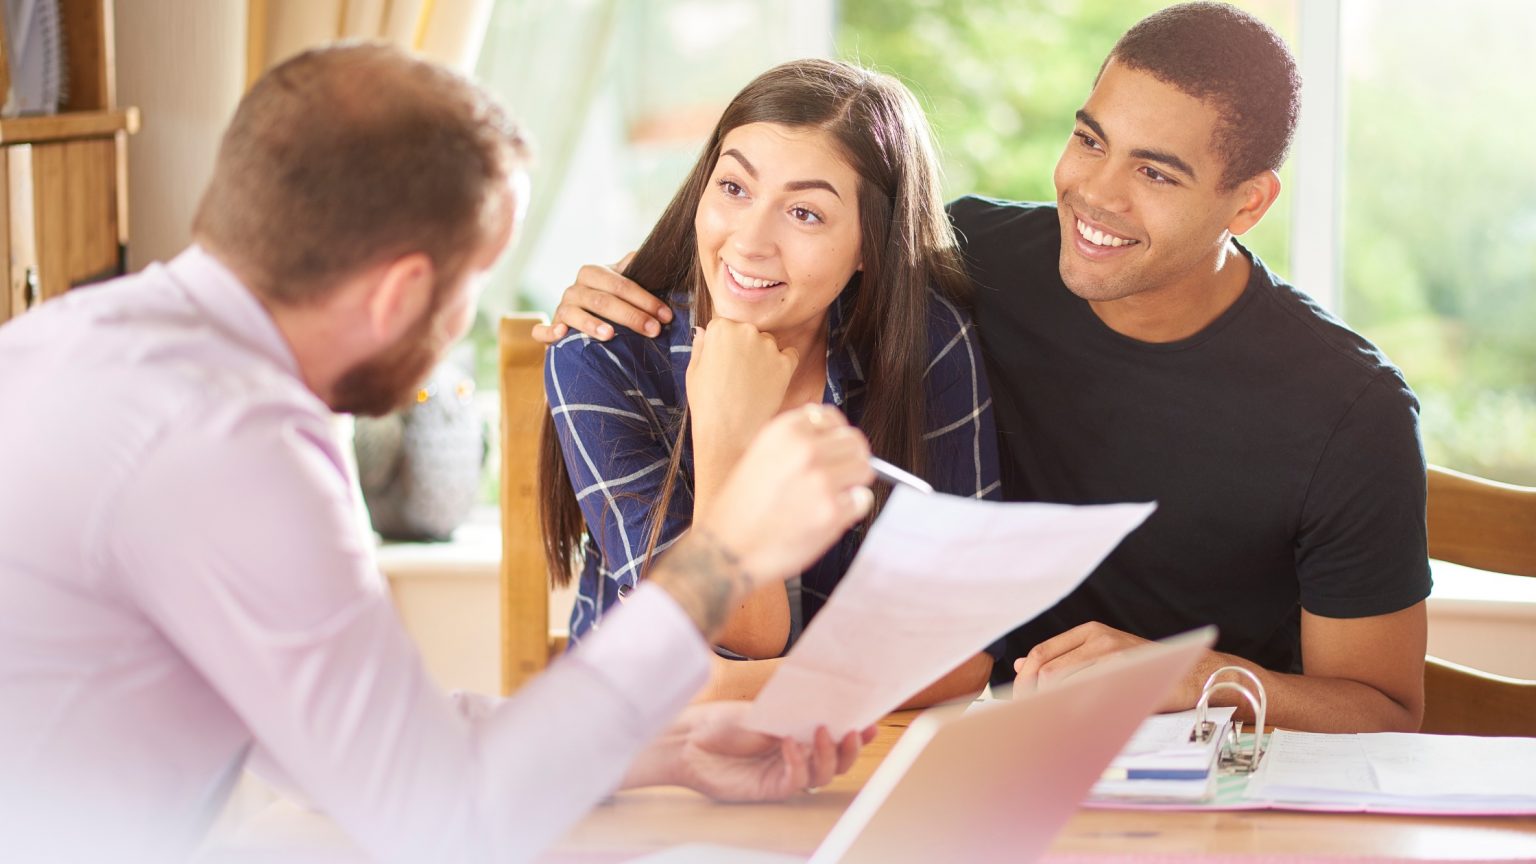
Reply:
x=647, y=820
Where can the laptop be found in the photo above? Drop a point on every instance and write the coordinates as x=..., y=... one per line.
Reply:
x=995, y=783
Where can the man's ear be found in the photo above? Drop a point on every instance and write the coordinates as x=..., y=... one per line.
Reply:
x=401, y=296
x=1255, y=195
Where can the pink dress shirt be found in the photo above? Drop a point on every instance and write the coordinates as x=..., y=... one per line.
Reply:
x=182, y=580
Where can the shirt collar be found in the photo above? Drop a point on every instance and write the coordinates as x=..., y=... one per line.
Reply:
x=230, y=306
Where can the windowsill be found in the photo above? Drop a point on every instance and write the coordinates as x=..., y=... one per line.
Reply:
x=1463, y=590
x=474, y=552
x=1483, y=620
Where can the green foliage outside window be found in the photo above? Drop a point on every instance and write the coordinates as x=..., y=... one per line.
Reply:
x=1440, y=220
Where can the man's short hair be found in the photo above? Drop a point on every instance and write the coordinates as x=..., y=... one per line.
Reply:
x=349, y=156
x=1232, y=61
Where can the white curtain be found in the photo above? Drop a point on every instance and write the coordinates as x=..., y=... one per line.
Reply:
x=448, y=31
x=547, y=61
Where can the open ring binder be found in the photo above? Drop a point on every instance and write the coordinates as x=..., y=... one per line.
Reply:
x=1232, y=756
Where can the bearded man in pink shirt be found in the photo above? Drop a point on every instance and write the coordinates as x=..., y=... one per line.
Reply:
x=181, y=580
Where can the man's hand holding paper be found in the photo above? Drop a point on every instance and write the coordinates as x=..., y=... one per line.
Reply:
x=938, y=578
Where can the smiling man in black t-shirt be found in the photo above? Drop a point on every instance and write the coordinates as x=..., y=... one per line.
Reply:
x=1138, y=353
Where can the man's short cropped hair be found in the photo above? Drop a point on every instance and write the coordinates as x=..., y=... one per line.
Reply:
x=1232, y=61
x=350, y=156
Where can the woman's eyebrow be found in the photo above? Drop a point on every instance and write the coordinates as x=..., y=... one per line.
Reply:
x=802, y=185
x=792, y=186
x=736, y=154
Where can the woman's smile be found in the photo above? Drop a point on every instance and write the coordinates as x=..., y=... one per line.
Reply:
x=752, y=289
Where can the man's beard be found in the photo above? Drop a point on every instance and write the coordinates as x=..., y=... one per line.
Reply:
x=386, y=382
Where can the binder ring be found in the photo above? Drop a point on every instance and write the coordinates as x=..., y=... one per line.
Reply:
x=1238, y=670
x=1204, y=729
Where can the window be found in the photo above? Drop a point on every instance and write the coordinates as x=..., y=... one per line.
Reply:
x=1439, y=217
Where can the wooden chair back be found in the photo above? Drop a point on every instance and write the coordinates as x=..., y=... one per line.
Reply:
x=1490, y=526
x=527, y=644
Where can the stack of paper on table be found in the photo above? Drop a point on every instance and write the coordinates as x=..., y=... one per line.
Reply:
x=938, y=579
x=1378, y=772
x=1391, y=772
x=1161, y=763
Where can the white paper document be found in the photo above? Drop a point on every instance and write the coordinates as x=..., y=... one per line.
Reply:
x=938, y=579
x=1398, y=772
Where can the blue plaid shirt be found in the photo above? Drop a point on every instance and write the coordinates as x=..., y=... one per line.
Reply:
x=617, y=406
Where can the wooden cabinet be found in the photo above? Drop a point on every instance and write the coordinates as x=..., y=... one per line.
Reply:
x=63, y=188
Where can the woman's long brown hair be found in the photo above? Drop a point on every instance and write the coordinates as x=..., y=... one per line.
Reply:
x=907, y=248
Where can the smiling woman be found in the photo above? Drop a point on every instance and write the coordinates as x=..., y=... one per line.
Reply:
x=811, y=262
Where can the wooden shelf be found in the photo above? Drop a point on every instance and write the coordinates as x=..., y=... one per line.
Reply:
x=63, y=177
x=63, y=127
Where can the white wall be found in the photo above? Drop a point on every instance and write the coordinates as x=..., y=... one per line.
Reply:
x=183, y=65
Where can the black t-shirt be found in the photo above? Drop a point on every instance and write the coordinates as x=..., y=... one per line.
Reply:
x=1282, y=450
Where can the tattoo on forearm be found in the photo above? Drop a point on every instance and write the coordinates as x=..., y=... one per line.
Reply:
x=705, y=578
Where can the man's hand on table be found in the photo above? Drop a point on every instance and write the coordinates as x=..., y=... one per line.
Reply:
x=709, y=750
x=725, y=761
